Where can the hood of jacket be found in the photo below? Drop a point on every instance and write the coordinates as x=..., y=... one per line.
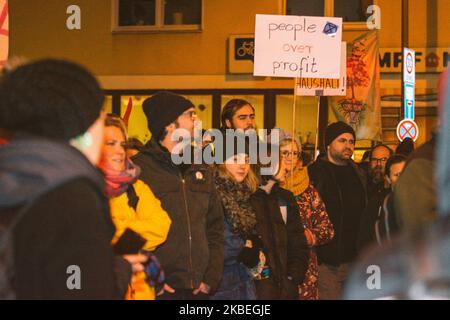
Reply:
x=31, y=166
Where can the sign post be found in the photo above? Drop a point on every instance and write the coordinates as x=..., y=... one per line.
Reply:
x=407, y=128
x=409, y=79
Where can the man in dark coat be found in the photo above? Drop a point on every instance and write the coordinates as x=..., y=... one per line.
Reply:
x=192, y=257
x=342, y=187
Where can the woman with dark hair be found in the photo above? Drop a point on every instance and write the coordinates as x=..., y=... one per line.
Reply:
x=56, y=229
x=134, y=208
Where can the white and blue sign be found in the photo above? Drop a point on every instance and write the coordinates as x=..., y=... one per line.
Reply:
x=409, y=101
x=409, y=79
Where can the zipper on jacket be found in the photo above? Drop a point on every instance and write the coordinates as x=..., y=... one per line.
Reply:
x=183, y=181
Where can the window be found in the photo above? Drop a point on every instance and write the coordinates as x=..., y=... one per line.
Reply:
x=107, y=104
x=353, y=12
x=157, y=15
x=305, y=8
x=305, y=119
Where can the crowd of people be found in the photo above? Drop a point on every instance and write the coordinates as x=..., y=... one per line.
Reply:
x=75, y=190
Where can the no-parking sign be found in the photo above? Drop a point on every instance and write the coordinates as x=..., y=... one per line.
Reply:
x=407, y=128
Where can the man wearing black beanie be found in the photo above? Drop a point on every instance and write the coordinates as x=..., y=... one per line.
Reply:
x=192, y=257
x=342, y=186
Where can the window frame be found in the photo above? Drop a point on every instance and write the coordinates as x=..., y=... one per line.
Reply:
x=159, y=21
x=329, y=12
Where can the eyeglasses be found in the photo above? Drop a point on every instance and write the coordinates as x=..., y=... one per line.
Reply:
x=379, y=159
x=190, y=114
x=286, y=153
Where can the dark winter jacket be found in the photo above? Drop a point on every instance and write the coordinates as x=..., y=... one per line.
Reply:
x=415, y=195
x=236, y=282
x=374, y=209
x=193, y=252
x=285, y=244
x=324, y=180
x=51, y=198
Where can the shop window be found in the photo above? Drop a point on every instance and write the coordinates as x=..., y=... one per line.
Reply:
x=107, y=104
x=203, y=108
x=137, y=122
x=157, y=15
x=305, y=119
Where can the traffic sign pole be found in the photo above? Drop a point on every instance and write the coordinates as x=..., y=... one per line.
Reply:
x=408, y=81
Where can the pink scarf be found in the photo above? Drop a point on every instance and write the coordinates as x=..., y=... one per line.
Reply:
x=117, y=182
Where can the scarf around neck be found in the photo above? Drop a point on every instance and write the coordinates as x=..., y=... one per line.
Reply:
x=298, y=182
x=117, y=182
x=236, y=203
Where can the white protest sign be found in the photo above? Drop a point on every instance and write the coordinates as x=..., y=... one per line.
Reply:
x=326, y=87
x=297, y=46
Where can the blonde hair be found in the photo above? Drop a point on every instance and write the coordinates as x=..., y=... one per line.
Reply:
x=288, y=141
x=115, y=121
x=251, y=180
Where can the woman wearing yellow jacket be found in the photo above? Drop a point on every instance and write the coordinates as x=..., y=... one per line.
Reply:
x=132, y=204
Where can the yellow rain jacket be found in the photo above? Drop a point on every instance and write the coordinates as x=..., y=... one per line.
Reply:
x=150, y=221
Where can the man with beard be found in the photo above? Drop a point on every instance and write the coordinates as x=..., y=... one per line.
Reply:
x=377, y=184
x=238, y=114
x=379, y=214
x=342, y=186
x=378, y=187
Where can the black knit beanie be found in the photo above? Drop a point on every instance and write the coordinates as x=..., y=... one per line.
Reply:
x=162, y=109
x=50, y=98
x=335, y=129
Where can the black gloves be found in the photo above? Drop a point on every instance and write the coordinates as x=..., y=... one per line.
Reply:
x=249, y=257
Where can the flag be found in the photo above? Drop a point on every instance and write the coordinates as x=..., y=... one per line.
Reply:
x=4, y=32
x=361, y=108
x=126, y=116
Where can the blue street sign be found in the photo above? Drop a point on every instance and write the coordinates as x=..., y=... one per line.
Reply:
x=409, y=101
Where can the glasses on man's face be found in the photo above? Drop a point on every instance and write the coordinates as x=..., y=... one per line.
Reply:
x=190, y=114
x=286, y=154
x=379, y=160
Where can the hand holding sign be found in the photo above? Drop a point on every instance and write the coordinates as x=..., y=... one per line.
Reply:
x=294, y=46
